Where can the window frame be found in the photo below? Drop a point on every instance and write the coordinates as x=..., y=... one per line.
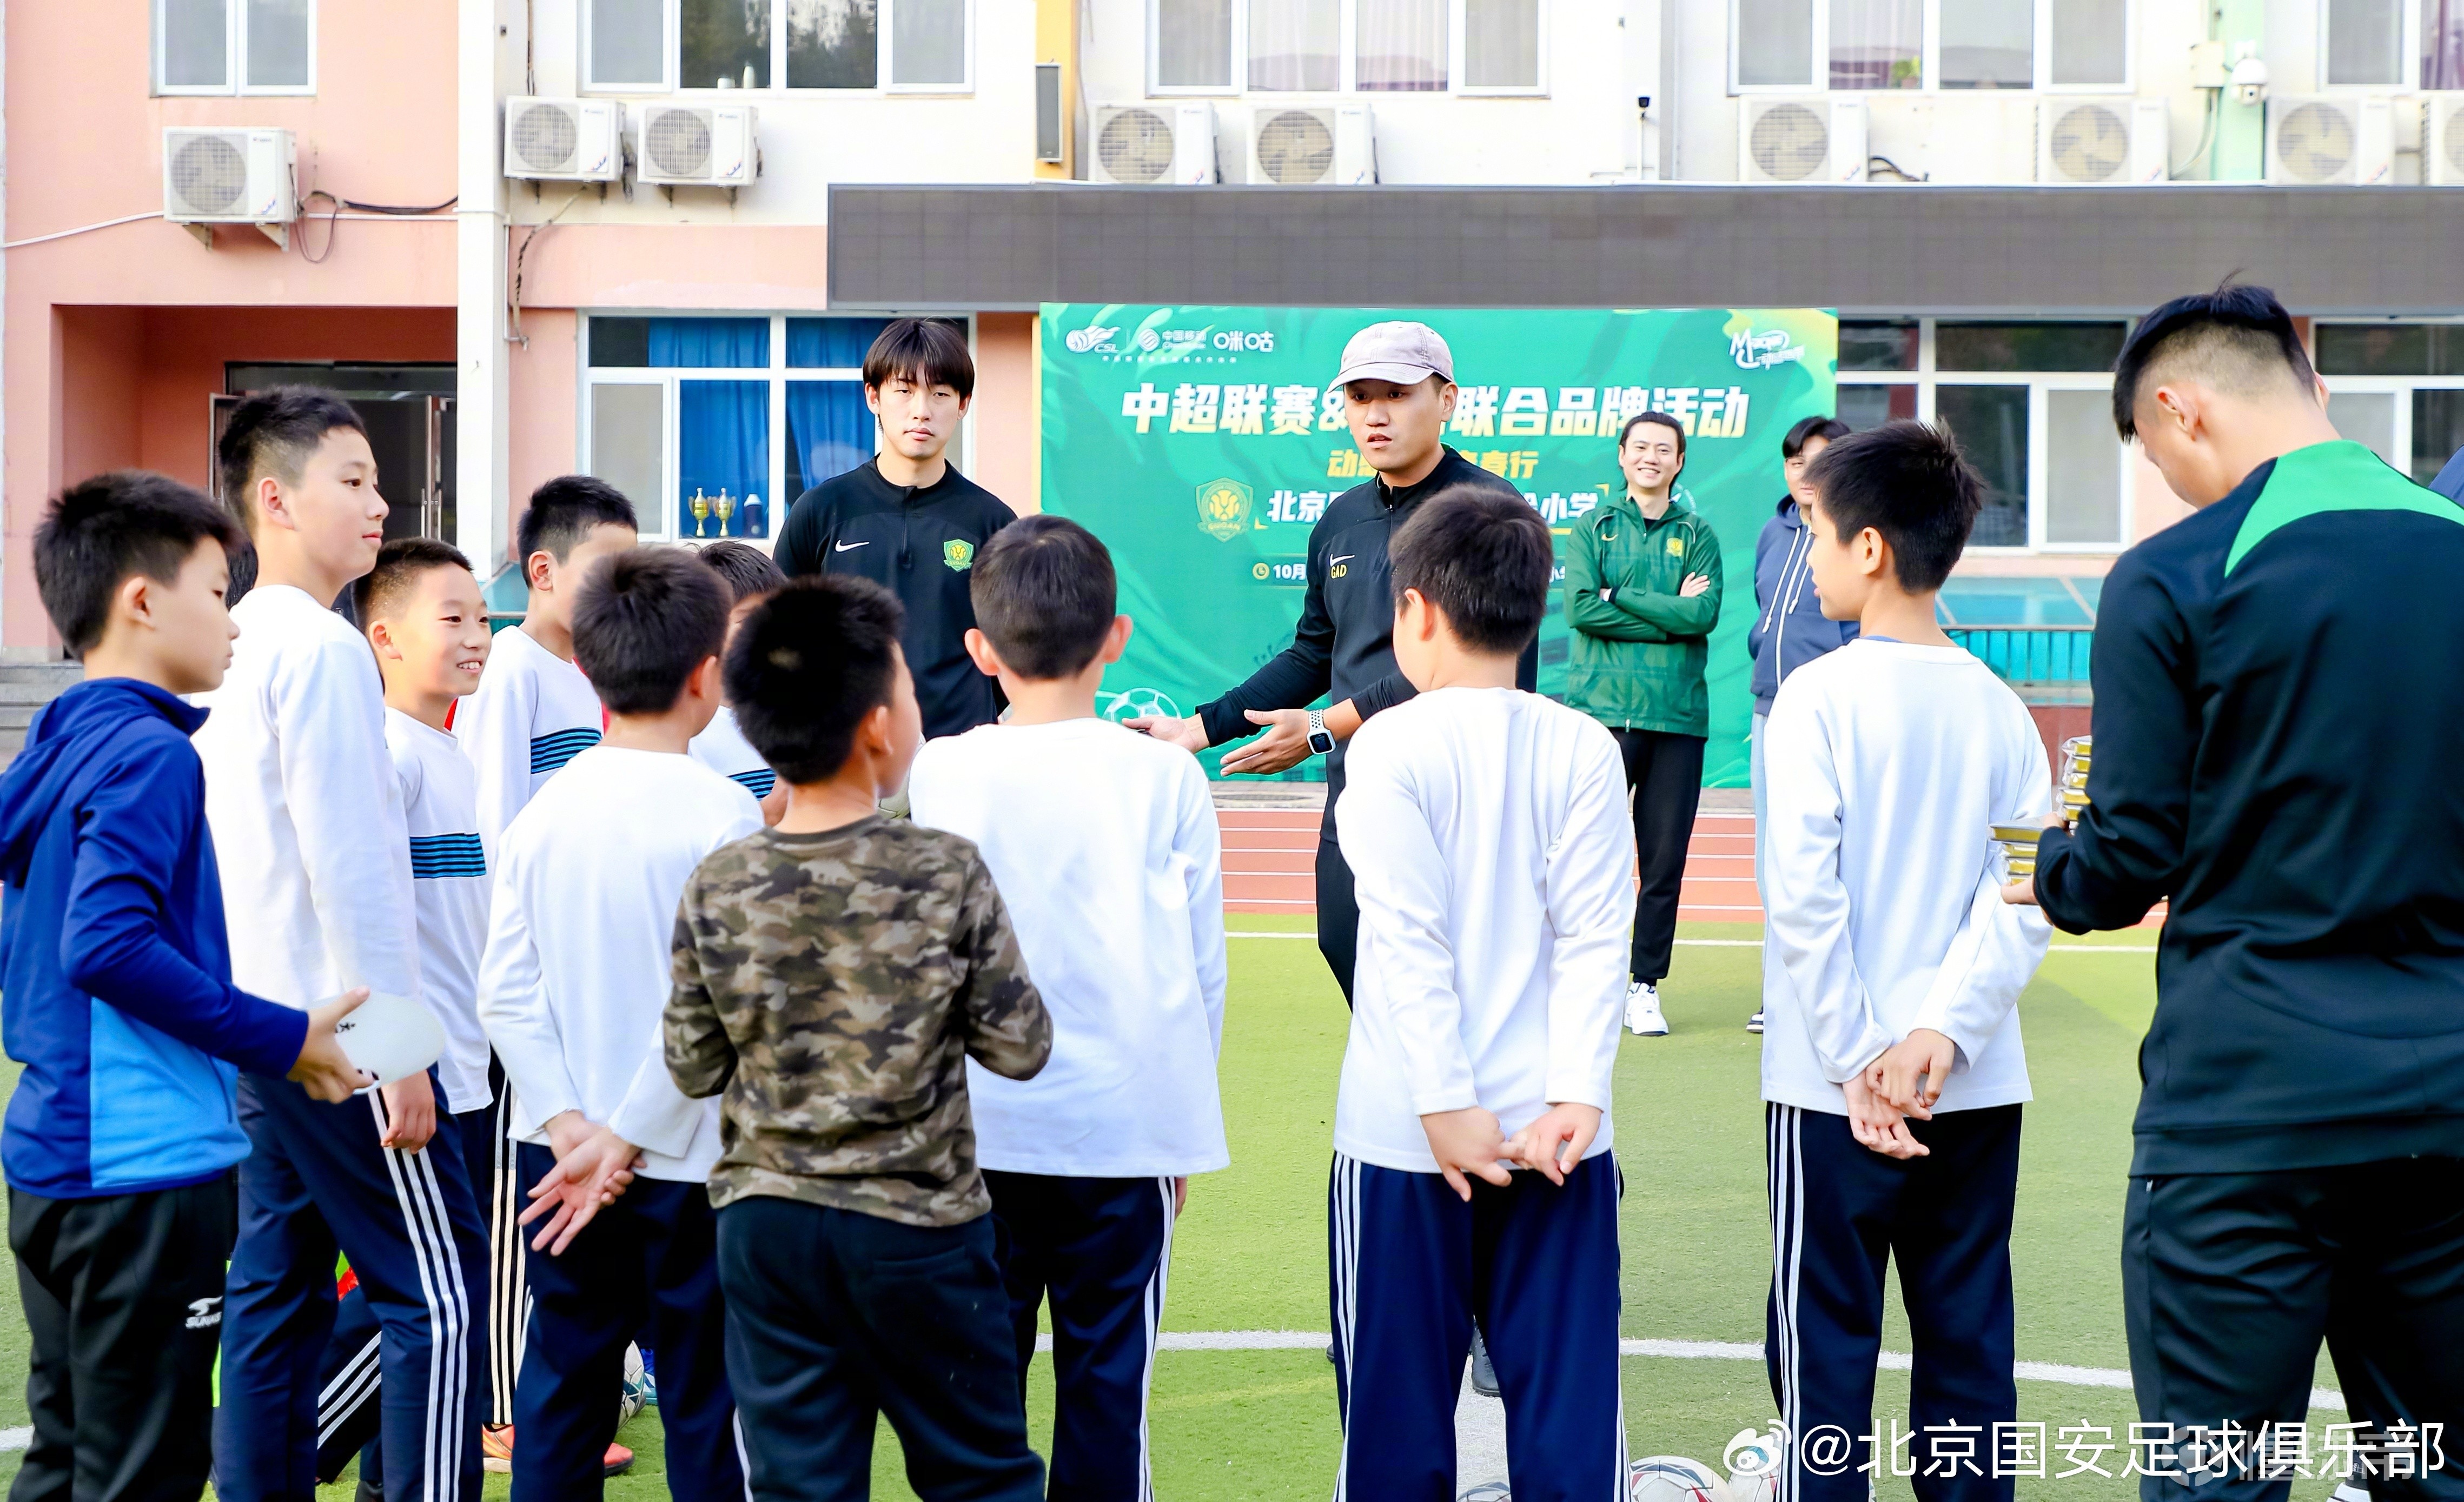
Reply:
x=2402, y=387
x=1347, y=56
x=1930, y=55
x=2407, y=78
x=672, y=60
x=1927, y=381
x=234, y=58
x=668, y=377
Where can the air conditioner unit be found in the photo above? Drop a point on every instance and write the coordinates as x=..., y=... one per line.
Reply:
x=700, y=145
x=1313, y=145
x=1170, y=142
x=2442, y=139
x=2095, y=142
x=568, y=140
x=1816, y=139
x=230, y=177
x=2339, y=138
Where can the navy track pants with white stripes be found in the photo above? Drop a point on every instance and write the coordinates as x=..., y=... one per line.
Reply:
x=1840, y=1212
x=1101, y=1249
x=316, y=1181
x=1410, y=1265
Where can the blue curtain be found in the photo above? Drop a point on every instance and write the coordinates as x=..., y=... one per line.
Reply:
x=836, y=343
x=829, y=431
x=723, y=443
x=709, y=343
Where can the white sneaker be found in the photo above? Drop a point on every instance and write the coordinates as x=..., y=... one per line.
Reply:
x=1643, y=1016
x=1754, y=1023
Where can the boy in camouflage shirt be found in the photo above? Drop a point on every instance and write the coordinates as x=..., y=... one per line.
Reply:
x=832, y=974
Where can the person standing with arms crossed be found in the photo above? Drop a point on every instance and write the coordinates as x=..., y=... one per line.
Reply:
x=1643, y=592
x=1399, y=390
x=2277, y=713
x=908, y=521
x=1790, y=629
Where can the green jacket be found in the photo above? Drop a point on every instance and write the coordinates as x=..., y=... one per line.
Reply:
x=1635, y=660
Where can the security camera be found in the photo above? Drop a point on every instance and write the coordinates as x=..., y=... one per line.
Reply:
x=2248, y=81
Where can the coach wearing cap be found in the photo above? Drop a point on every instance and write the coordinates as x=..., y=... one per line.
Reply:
x=1398, y=389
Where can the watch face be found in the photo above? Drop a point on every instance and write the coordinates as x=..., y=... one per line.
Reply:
x=1321, y=742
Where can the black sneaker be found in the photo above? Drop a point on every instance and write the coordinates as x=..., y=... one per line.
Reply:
x=1754, y=1023
x=370, y=1491
x=1483, y=1376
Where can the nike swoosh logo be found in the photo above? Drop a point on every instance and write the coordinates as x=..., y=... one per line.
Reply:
x=1346, y=558
x=844, y=546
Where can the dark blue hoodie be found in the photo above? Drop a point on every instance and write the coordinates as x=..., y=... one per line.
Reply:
x=115, y=965
x=1789, y=629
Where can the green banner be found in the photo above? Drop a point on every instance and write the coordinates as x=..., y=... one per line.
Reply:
x=1201, y=444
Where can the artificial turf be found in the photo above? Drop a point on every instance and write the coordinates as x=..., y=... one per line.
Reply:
x=1250, y=1253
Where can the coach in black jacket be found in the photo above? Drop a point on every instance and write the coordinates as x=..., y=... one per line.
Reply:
x=2277, y=720
x=908, y=521
x=1397, y=381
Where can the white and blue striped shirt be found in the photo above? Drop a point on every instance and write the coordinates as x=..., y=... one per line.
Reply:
x=532, y=713
x=723, y=748
x=448, y=869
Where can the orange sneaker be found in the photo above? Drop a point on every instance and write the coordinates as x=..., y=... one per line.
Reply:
x=619, y=1461
x=496, y=1452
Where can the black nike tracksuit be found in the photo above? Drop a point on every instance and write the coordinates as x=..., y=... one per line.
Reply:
x=1344, y=648
x=920, y=543
x=2279, y=717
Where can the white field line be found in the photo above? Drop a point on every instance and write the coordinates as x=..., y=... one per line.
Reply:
x=1756, y=944
x=15, y=1440
x=1680, y=1350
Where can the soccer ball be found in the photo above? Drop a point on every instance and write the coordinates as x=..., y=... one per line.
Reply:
x=1672, y=1478
x=1753, y=1461
x=1138, y=703
x=635, y=1395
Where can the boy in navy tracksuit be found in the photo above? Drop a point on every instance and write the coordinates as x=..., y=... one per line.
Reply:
x=116, y=970
x=2277, y=716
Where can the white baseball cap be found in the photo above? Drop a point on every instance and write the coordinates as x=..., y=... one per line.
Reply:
x=1402, y=351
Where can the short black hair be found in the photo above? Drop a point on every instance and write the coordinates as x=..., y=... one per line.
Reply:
x=1045, y=595
x=98, y=534
x=1909, y=482
x=1481, y=558
x=1661, y=419
x=928, y=350
x=747, y=572
x=1830, y=429
x=644, y=618
x=809, y=664
x=561, y=513
x=399, y=565
x=2238, y=337
x=274, y=432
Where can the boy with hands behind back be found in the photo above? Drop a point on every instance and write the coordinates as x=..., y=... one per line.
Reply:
x=1486, y=829
x=1892, y=1065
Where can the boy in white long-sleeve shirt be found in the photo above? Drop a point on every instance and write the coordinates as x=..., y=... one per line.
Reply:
x=314, y=858
x=533, y=711
x=1891, y=1056
x=572, y=989
x=1106, y=849
x=1486, y=830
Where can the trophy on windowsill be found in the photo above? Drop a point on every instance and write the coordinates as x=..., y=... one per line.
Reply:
x=725, y=508
x=700, y=508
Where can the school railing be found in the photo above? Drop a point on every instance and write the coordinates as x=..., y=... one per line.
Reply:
x=2047, y=665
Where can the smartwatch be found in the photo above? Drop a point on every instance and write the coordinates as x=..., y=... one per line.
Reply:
x=1320, y=740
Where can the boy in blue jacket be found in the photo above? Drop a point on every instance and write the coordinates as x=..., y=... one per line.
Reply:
x=116, y=996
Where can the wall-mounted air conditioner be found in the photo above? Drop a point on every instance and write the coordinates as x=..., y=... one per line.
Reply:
x=2442, y=139
x=1168, y=142
x=2102, y=141
x=2330, y=137
x=700, y=145
x=230, y=177
x=569, y=140
x=1313, y=145
x=1812, y=140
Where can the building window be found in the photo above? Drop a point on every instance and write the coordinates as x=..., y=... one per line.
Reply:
x=1931, y=44
x=2029, y=401
x=646, y=46
x=2442, y=44
x=2396, y=388
x=2365, y=43
x=1341, y=46
x=234, y=47
x=712, y=426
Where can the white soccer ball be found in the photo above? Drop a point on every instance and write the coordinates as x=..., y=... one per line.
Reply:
x=1672, y=1478
x=634, y=1396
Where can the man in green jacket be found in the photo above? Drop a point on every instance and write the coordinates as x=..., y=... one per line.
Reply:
x=1643, y=592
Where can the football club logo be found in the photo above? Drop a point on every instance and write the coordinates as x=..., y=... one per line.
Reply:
x=958, y=553
x=1224, y=508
